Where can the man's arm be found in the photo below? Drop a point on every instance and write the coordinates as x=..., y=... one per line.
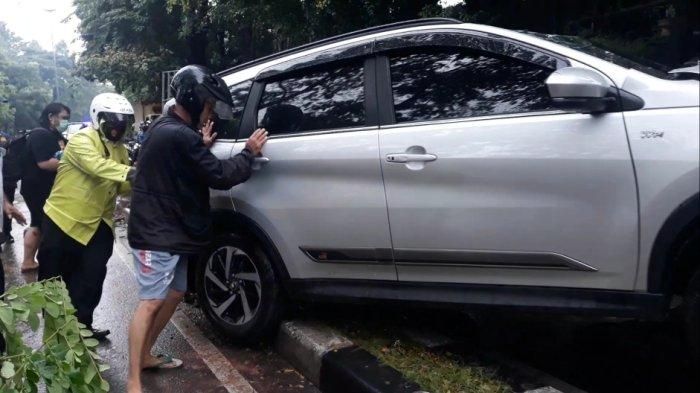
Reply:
x=224, y=174
x=83, y=154
x=49, y=165
x=219, y=174
x=125, y=188
x=43, y=148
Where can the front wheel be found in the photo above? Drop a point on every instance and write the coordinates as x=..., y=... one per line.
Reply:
x=237, y=289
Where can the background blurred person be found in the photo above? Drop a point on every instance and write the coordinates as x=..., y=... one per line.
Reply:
x=39, y=173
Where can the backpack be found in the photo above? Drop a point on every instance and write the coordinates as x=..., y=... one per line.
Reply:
x=15, y=159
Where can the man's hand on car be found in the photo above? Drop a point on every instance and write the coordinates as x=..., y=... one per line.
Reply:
x=257, y=141
x=207, y=137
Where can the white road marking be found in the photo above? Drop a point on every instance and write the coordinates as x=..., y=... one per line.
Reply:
x=232, y=380
x=229, y=377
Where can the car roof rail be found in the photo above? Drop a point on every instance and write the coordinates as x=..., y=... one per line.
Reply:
x=344, y=36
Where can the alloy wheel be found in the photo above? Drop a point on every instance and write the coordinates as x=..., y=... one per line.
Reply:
x=232, y=285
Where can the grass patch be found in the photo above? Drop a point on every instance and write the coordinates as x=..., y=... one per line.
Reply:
x=434, y=372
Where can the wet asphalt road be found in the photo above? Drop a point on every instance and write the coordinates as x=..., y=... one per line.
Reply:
x=263, y=369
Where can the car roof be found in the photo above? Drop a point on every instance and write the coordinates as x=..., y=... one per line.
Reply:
x=250, y=70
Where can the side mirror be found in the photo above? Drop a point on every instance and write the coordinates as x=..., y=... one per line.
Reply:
x=581, y=90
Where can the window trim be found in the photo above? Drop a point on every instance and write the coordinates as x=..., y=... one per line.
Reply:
x=319, y=132
x=368, y=65
x=385, y=97
x=489, y=43
x=245, y=105
x=420, y=123
x=402, y=42
x=321, y=59
x=250, y=113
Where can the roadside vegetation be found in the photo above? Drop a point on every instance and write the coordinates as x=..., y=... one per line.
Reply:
x=434, y=372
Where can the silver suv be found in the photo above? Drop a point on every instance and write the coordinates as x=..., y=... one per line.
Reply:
x=438, y=162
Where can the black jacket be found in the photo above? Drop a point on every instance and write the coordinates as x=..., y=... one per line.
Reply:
x=170, y=200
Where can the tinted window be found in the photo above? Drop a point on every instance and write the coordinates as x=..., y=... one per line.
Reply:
x=316, y=100
x=239, y=93
x=453, y=83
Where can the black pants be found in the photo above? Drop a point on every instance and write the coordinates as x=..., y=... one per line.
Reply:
x=7, y=221
x=83, y=268
x=35, y=203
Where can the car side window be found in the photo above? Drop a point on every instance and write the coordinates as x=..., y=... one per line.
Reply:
x=239, y=94
x=323, y=99
x=449, y=83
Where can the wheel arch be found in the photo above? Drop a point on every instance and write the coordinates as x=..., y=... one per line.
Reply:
x=226, y=221
x=665, y=268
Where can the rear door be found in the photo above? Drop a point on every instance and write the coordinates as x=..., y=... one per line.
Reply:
x=318, y=191
x=487, y=184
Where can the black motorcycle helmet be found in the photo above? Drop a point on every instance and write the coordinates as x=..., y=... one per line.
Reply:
x=193, y=85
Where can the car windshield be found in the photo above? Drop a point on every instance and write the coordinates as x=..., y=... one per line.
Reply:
x=585, y=46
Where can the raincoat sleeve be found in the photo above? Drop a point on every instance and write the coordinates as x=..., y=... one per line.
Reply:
x=82, y=152
x=124, y=188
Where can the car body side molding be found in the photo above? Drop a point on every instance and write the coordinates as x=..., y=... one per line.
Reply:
x=588, y=302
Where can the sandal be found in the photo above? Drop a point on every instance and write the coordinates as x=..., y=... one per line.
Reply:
x=165, y=362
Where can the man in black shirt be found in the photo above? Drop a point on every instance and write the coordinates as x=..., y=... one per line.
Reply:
x=170, y=218
x=41, y=164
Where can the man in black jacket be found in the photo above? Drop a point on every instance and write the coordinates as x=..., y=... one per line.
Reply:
x=170, y=217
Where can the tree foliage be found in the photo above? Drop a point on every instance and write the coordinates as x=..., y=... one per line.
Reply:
x=661, y=31
x=130, y=42
x=27, y=82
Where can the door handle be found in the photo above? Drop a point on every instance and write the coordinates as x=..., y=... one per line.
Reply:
x=403, y=158
x=258, y=162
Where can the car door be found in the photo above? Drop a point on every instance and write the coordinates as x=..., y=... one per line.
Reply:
x=487, y=184
x=317, y=191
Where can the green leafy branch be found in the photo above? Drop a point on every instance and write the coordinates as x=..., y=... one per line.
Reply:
x=66, y=360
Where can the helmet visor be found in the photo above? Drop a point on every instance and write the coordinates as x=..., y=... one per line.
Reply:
x=223, y=110
x=118, y=121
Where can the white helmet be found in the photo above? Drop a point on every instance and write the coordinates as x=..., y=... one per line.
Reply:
x=113, y=109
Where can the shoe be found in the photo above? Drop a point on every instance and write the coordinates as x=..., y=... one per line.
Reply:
x=100, y=335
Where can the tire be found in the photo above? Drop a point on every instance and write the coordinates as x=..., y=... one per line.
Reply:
x=692, y=315
x=250, y=281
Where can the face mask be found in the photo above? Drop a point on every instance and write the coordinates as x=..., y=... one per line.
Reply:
x=62, y=126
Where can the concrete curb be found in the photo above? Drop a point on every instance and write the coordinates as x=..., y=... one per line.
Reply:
x=551, y=383
x=304, y=344
x=334, y=364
